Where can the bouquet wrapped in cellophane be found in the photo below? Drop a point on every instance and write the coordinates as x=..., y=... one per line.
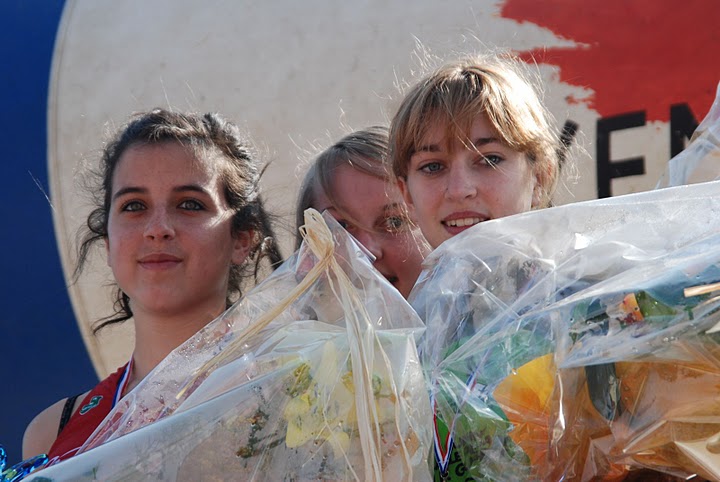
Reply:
x=313, y=375
x=581, y=342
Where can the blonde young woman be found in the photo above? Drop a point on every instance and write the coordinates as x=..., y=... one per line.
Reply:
x=349, y=180
x=472, y=142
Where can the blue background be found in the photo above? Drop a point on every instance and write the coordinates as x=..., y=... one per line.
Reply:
x=42, y=356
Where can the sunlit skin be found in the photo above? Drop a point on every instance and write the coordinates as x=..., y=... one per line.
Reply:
x=452, y=186
x=373, y=211
x=170, y=247
x=169, y=242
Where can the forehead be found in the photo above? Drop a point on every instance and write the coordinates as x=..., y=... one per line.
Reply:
x=357, y=194
x=450, y=135
x=165, y=161
x=350, y=183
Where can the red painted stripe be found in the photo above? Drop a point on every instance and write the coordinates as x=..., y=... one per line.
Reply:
x=634, y=54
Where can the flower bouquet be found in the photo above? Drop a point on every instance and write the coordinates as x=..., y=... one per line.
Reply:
x=580, y=342
x=313, y=375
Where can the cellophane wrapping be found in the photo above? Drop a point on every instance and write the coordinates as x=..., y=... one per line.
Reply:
x=313, y=375
x=581, y=342
x=700, y=161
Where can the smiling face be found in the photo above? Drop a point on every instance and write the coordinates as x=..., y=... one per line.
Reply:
x=372, y=210
x=169, y=241
x=451, y=186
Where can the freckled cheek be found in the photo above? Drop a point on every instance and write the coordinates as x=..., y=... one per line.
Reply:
x=420, y=191
x=401, y=243
x=425, y=203
x=405, y=262
x=221, y=237
x=216, y=250
x=215, y=274
x=119, y=232
x=392, y=251
x=119, y=245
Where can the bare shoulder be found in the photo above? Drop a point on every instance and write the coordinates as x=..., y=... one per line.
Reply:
x=42, y=431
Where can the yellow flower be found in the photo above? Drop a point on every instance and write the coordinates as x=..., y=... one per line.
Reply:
x=325, y=409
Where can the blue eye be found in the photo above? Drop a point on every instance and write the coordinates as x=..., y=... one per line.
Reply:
x=492, y=160
x=431, y=167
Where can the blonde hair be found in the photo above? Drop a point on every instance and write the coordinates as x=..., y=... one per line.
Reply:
x=457, y=93
x=364, y=150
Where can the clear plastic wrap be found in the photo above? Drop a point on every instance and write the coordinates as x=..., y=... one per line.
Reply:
x=313, y=375
x=562, y=344
x=700, y=161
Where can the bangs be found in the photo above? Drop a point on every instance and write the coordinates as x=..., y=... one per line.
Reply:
x=452, y=107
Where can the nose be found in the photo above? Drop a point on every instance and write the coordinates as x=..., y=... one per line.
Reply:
x=159, y=225
x=370, y=242
x=460, y=184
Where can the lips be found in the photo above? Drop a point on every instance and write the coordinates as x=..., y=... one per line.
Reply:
x=462, y=222
x=459, y=222
x=159, y=261
x=392, y=279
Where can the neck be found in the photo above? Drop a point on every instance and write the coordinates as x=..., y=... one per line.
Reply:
x=157, y=336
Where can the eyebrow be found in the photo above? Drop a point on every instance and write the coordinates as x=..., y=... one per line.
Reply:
x=326, y=208
x=392, y=207
x=479, y=142
x=142, y=190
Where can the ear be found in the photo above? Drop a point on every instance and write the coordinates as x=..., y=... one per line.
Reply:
x=242, y=242
x=402, y=185
x=538, y=191
x=106, y=241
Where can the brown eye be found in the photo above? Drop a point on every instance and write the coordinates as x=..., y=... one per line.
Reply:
x=132, y=206
x=191, y=205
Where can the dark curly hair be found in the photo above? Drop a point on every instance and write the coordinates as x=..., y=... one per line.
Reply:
x=210, y=136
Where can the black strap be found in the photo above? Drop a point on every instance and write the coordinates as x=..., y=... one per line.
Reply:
x=67, y=411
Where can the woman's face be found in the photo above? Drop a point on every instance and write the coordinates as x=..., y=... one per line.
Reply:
x=372, y=210
x=451, y=186
x=169, y=242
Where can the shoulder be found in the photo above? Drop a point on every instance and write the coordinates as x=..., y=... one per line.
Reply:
x=42, y=431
